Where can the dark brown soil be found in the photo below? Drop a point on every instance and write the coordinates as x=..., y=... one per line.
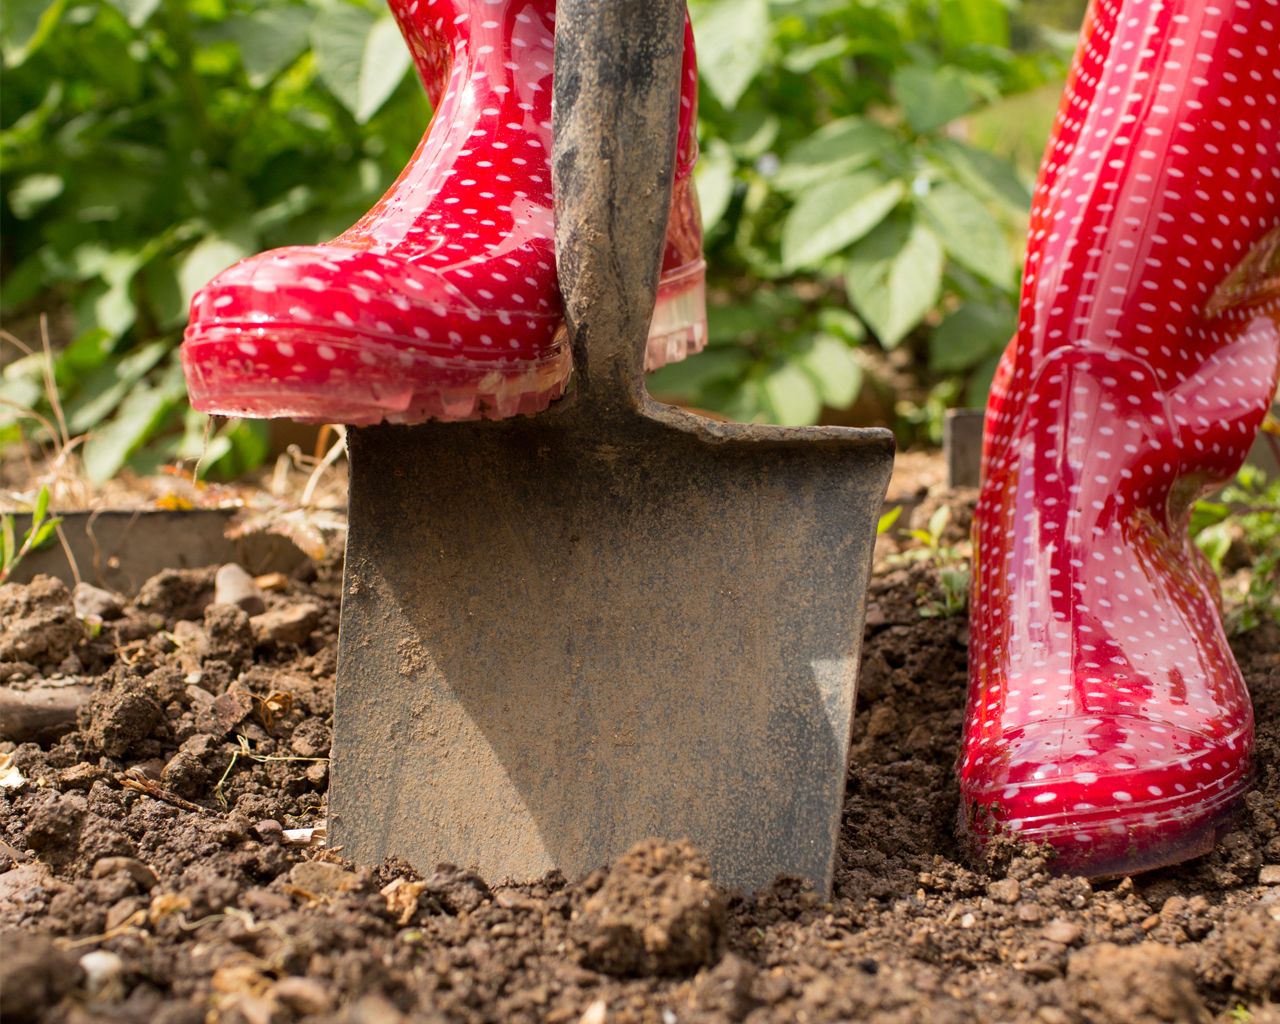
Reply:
x=147, y=876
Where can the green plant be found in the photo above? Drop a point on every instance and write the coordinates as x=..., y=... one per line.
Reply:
x=147, y=144
x=1240, y=536
x=954, y=584
x=834, y=182
x=38, y=535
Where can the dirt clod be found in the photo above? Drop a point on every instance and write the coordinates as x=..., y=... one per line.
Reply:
x=34, y=976
x=1146, y=984
x=38, y=624
x=656, y=913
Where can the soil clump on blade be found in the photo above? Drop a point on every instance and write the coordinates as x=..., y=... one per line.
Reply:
x=163, y=860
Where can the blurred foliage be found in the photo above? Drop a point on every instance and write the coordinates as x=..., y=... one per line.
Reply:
x=1239, y=533
x=147, y=144
x=836, y=180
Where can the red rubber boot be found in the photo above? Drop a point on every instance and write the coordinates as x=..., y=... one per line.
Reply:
x=442, y=302
x=1106, y=714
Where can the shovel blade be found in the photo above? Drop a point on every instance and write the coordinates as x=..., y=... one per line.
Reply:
x=561, y=637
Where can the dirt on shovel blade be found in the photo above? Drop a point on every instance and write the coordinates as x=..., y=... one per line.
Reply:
x=158, y=861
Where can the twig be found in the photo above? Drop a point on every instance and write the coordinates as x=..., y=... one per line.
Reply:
x=66, y=548
x=50, y=382
x=145, y=785
x=330, y=458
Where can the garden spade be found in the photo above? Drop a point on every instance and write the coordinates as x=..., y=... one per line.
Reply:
x=565, y=633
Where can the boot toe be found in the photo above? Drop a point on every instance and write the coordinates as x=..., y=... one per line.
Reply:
x=1113, y=795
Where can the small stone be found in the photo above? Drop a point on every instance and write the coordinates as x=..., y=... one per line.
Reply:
x=272, y=581
x=1029, y=912
x=102, y=973
x=318, y=774
x=291, y=625
x=304, y=996
x=967, y=921
x=90, y=600
x=595, y=1013
x=270, y=832
x=1007, y=890
x=233, y=585
x=143, y=877
x=1062, y=932
x=321, y=879
x=198, y=696
x=1269, y=875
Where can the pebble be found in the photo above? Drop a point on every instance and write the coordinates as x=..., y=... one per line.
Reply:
x=142, y=875
x=594, y=1014
x=286, y=625
x=273, y=581
x=1029, y=912
x=1269, y=875
x=1063, y=932
x=233, y=585
x=1007, y=890
x=304, y=996
x=102, y=973
x=270, y=832
x=90, y=600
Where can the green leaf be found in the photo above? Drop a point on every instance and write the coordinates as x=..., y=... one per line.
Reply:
x=989, y=176
x=270, y=40
x=931, y=98
x=33, y=192
x=42, y=506
x=841, y=322
x=7, y=546
x=135, y=12
x=714, y=180
x=89, y=351
x=145, y=409
x=44, y=535
x=385, y=61
x=974, y=22
x=834, y=369
x=970, y=234
x=975, y=396
x=685, y=379
x=835, y=148
x=24, y=27
x=885, y=523
x=203, y=263
x=836, y=214
x=973, y=333
x=338, y=37
x=103, y=391
x=732, y=39
x=804, y=60
x=895, y=275
x=793, y=396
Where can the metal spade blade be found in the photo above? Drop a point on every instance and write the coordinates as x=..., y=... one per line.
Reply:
x=566, y=633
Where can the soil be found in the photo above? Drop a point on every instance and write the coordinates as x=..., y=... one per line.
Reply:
x=151, y=871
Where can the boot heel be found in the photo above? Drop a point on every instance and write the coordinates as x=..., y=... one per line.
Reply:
x=679, y=325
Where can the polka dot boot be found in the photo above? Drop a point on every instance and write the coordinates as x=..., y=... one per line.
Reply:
x=442, y=302
x=1106, y=715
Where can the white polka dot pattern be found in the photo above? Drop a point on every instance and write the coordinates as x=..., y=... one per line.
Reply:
x=442, y=302
x=1106, y=714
